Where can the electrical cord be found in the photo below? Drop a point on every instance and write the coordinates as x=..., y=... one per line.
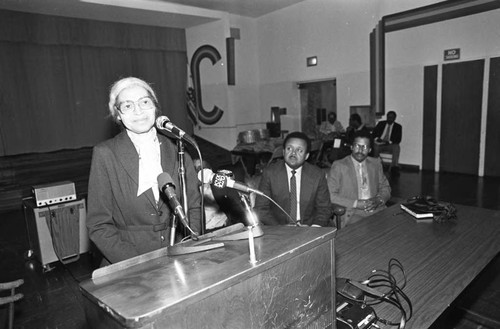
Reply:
x=382, y=286
x=51, y=215
x=294, y=222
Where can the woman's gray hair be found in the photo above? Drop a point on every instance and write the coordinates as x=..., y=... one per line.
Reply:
x=125, y=83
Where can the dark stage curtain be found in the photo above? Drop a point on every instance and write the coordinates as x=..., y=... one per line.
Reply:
x=56, y=73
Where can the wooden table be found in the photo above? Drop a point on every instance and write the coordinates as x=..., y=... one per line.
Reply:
x=290, y=286
x=440, y=260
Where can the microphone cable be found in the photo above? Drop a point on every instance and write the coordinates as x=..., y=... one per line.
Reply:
x=295, y=222
x=191, y=141
x=52, y=216
x=382, y=286
x=200, y=188
x=394, y=294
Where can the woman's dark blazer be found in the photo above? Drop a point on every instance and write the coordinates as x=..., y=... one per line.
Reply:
x=120, y=223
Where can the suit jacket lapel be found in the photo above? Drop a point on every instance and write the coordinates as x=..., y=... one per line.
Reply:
x=168, y=155
x=306, y=189
x=283, y=190
x=128, y=157
x=352, y=173
x=372, y=176
x=127, y=154
x=168, y=159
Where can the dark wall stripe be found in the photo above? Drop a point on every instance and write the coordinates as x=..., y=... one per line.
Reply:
x=231, y=74
x=492, y=154
x=429, y=119
x=377, y=69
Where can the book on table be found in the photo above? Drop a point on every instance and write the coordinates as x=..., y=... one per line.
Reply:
x=417, y=210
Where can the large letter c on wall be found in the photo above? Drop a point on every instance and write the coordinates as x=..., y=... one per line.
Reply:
x=206, y=51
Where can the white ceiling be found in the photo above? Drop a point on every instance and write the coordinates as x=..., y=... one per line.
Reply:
x=172, y=13
x=249, y=8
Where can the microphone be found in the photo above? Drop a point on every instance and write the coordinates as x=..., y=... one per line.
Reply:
x=221, y=181
x=164, y=123
x=166, y=185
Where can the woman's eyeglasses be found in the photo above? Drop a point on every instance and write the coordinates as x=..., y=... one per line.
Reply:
x=144, y=103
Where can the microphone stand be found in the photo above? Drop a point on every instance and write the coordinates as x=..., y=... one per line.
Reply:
x=182, y=179
x=248, y=208
x=252, y=224
x=182, y=182
x=196, y=244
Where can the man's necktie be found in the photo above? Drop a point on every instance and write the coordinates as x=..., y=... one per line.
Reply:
x=387, y=134
x=293, y=196
x=364, y=181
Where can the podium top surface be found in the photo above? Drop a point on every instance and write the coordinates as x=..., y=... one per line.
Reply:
x=156, y=282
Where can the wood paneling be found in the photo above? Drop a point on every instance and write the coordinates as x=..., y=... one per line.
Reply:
x=18, y=173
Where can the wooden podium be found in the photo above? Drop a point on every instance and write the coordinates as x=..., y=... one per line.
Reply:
x=290, y=286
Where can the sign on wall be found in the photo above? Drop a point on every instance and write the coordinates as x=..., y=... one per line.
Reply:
x=451, y=54
x=195, y=104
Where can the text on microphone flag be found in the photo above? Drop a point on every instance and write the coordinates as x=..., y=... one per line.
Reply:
x=219, y=181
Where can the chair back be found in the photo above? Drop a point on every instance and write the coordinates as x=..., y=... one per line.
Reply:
x=12, y=298
x=277, y=154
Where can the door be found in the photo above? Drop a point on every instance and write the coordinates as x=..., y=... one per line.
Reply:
x=491, y=154
x=317, y=99
x=462, y=90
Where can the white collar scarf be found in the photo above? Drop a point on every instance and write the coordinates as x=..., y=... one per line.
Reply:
x=148, y=148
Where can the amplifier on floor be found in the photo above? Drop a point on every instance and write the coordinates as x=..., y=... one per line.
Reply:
x=57, y=232
x=54, y=193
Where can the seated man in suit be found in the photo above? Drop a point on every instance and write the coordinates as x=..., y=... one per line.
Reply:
x=387, y=136
x=297, y=186
x=358, y=183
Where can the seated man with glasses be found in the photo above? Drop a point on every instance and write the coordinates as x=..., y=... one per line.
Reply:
x=358, y=183
x=298, y=188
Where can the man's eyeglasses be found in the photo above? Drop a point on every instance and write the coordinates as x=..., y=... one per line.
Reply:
x=361, y=147
x=297, y=151
x=144, y=103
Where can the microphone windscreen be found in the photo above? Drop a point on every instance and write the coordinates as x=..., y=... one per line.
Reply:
x=164, y=179
x=207, y=176
x=160, y=121
x=225, y=172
